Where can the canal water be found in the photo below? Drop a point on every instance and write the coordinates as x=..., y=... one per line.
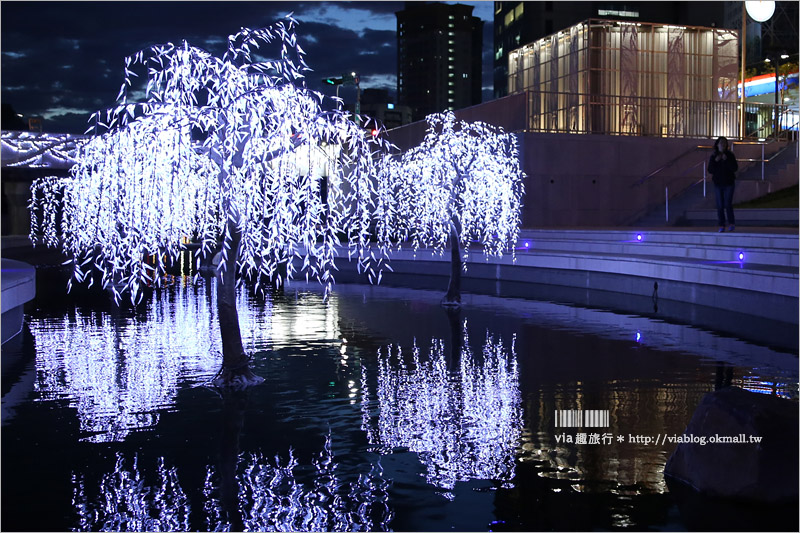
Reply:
x=380, y=411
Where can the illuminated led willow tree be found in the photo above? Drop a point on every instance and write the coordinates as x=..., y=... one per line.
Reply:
x=228, y=151
x=462, y=184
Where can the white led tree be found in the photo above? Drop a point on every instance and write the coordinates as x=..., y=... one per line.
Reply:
x=229, y=151
x=462, y=184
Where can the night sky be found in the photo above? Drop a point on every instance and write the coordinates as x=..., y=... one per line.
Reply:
x=64, y=60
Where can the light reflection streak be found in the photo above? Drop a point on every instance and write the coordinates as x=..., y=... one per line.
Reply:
x=271, y=497
x=464, y=424
x=126, y=503
x=119, y=371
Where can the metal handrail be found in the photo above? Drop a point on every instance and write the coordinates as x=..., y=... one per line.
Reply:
x=764, y=159
x=783, y=112
x=672, y=162
x=615, y=114
x=704, y=179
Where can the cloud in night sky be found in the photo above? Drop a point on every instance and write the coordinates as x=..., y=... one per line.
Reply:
x=64, y=60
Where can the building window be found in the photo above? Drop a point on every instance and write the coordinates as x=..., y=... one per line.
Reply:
x=518, y=10
x=617, y=13
x=498, y=7
x=465, y=75
x=509, y=18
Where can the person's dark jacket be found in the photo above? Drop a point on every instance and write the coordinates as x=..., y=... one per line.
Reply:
x=723, y=172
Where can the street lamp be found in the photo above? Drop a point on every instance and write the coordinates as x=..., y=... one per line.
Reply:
x=760, y=12
x=347, y=79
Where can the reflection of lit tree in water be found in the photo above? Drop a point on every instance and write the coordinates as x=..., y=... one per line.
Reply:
x=127, y=503
x=271, y=498
x=464, y=423
x=119, y=371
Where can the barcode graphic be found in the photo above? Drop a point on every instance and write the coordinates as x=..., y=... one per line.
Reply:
x=576, y=418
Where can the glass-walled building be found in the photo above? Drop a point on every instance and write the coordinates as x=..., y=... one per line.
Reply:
x=630, y=78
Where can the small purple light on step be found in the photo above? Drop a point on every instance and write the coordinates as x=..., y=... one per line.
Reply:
x=639, y=237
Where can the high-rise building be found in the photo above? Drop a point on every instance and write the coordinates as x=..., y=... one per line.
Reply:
x=438, y=57
x=519, y=23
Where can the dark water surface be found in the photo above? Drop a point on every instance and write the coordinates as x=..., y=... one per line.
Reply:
x=379, y=411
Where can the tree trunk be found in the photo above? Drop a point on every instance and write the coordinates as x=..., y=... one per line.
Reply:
x=235, y=370
x=453, y=296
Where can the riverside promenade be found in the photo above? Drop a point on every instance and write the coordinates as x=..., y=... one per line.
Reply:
x=733, y=271
x=745, y=282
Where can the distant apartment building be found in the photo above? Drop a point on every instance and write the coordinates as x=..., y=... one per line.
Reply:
x=519, y=23
x=439, y=63
x=376, y=104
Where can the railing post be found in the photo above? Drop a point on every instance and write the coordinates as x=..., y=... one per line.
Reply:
x=762, y=161
x=704, y=180
x=666, y=194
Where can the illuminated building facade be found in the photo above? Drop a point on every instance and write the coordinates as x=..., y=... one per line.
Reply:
x=519, y=23
x=624, y=78
x=439, y=61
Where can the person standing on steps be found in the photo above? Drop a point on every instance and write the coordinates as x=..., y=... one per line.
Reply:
x=723, y=166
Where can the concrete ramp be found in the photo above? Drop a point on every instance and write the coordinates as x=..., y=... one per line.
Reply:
x=18, y=287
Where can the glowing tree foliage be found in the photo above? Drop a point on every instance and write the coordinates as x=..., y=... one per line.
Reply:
x=228, y=149
x=462, y=184
x=23, y=148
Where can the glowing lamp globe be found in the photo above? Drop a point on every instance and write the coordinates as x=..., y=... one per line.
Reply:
x=760, y=11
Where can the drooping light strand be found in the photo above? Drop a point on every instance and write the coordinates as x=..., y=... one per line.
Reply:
x=466, y=173
x=227, y=148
